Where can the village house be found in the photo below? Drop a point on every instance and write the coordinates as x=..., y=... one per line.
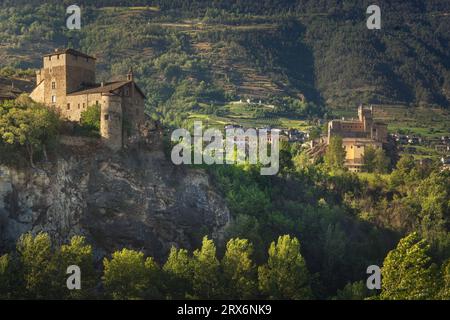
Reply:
x=358, y=135
x=67, y=82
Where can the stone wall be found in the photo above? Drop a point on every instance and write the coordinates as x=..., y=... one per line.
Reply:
x=111, y=121
x=133, y=111
x=76, y=141
x=79, y=103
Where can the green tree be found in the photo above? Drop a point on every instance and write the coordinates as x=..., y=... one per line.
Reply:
x=301, y=161
x=248, y=199
x=80, y=254
x=11, y=277
x=206, y=282
x=369, y=158
x=405, y=171
x=154, y=279
x=432, y=195
x=285, y=275
x=239, y=271
x=353, y=291
x=335, y=154
x=375, y=160
x=407, y=271
x=36, y=258
x=381, y=161
x=178, y=269
x=24, y=123
x=444, y=293
x=90, y=118
x=172, y=72
x=315, y=132
x=5, y=278
x=285, y=156
x=128, y=276
x=249, y=227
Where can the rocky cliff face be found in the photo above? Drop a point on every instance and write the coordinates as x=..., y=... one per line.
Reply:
x=136, y=198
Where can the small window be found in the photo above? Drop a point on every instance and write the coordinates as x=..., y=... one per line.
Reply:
x=68, y=106
x=53, y=85
x=53, y=99
x=106, y=117
x=50, y=58
x=126, y=92
x=96, y=103
x=57, y=57
x=84, y=106
x=78, y=106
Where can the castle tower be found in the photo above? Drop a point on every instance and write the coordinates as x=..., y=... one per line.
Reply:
x=111, y=121
x=63, y=72
x=365, y=116
x=361, y=113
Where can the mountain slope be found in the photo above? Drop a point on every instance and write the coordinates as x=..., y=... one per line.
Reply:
x=190, y=54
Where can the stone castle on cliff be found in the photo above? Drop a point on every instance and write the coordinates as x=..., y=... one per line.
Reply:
x=67, y=82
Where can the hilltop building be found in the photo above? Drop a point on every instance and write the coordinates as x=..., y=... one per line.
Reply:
x=358, y=135
x=67, y=82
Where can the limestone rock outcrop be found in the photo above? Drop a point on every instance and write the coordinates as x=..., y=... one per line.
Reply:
x=135, y=198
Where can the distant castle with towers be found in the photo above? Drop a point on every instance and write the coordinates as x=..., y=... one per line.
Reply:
x=357, y=135
x=67, y=82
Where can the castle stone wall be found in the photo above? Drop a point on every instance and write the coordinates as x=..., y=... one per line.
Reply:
x=111, y=121
x=133, y=109
x=67, y=83
x=79, y=103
